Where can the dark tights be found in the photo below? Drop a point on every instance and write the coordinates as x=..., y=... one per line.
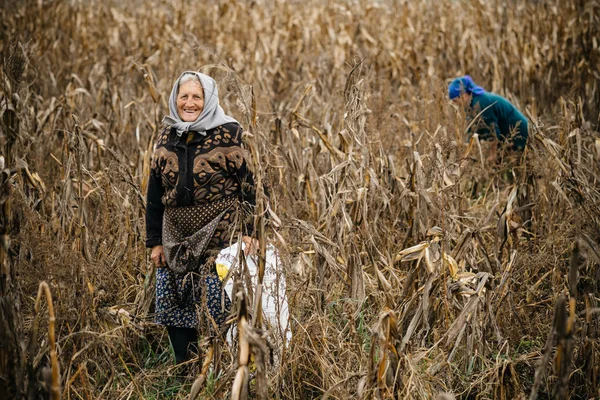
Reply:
x=184, y=342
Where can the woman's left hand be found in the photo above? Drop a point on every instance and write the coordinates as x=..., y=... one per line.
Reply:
x=251, y=245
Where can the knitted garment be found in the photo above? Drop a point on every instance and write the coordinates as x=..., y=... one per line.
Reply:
x=197, y=170
x=200, y=193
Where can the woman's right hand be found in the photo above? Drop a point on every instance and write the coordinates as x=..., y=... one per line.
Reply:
x=158, y=256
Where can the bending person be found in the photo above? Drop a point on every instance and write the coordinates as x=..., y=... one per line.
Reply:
x=499, y=118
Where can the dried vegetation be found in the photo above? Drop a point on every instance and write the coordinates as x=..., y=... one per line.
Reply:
x=418, y=264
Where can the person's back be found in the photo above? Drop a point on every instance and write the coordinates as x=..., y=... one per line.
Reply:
x=502, y=117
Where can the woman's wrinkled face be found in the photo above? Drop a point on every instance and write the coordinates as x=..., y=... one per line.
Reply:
x=190, y=101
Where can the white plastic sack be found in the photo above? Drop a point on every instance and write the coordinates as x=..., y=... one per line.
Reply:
x=274, y=299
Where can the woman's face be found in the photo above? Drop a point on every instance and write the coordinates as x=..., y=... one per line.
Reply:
x=190, y=101
x=464, y=99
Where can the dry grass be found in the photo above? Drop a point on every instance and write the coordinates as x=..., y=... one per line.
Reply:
x=417, y=263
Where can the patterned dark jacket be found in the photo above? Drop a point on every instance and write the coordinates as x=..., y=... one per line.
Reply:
x=195, y=170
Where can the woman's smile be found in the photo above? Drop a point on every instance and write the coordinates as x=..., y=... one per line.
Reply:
x=190, y=101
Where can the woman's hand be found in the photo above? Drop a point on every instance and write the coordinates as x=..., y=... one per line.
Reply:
x=251, y=245
x=158, y=256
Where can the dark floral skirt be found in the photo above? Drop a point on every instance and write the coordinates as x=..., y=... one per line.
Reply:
x=191, y=301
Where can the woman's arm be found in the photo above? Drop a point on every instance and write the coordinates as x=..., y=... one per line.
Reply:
x=485, y=109
x=154, y=210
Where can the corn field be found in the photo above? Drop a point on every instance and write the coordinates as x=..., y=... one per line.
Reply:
x=420, y=264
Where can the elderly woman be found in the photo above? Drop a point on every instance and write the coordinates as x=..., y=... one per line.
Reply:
x=198, y=185
x=499, y=118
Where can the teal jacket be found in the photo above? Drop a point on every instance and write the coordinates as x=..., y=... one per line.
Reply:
x=500, y=118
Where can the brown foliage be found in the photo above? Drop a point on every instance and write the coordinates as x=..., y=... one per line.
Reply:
x=417, y=263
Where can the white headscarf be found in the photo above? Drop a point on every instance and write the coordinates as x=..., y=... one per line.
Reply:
x=212, y=115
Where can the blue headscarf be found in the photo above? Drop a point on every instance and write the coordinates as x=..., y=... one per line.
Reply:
x=464, y=84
